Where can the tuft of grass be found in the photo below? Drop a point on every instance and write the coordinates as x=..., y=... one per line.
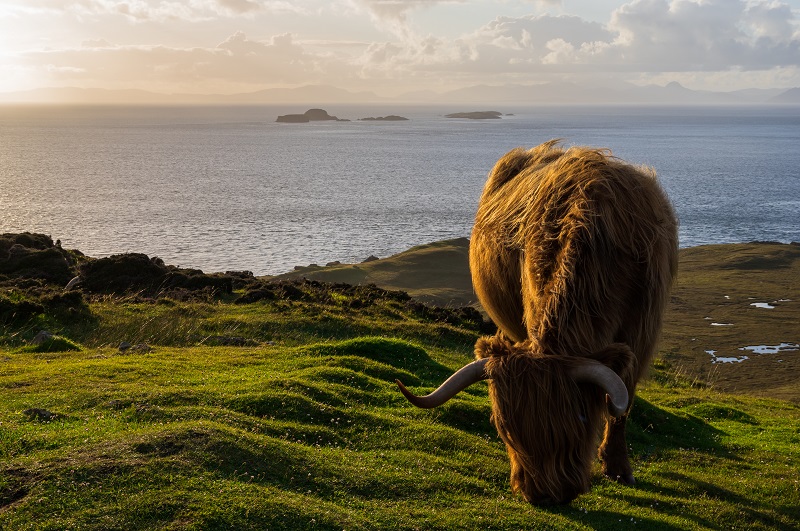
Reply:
x=52, y=344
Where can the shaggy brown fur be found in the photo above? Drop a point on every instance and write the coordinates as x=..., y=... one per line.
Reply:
x=572, y=255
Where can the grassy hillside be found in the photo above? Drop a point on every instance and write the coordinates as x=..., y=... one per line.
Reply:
x=711, y=308
x=727, y=298
x=273, y=407
x=316, y=436
x=436, y=273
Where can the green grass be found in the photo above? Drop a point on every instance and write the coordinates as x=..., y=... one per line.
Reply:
x=719, y=284
x=302, y=428
x=436, y=273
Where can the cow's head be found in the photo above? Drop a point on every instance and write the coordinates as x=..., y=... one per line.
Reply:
x=548, y=409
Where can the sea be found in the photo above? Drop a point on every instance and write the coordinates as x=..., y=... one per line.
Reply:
x=231, y=189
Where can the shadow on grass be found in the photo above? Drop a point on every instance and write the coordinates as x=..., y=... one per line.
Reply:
x=227, y=454
x=389, y=359
x=652, y=430
x=612, y=520
x=293, y=467
x=413, y=362
x=679, y=495
x=655, y=433
x=469, y=416
x=681, y=486
x=14, y=485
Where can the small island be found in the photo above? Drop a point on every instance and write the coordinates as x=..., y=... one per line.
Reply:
x=311, y=115
x=390, y=118
x=476, y=115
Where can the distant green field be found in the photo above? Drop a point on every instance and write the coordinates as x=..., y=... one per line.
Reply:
x=282, y=414
x=437, y=273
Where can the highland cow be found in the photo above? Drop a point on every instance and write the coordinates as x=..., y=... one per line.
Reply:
x=572, y=255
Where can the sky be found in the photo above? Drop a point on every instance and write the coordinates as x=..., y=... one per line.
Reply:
x=391, y=47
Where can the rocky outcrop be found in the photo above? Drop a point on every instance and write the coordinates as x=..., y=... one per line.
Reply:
x=34, y=263
x=293, y=119
x=137, y=273
x=319, y=115
x=476, y=115
x=390, y=118
x=362, y=296
x=35, y=259
x=311, y=115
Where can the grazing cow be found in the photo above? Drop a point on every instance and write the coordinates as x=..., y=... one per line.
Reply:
x=572, y=254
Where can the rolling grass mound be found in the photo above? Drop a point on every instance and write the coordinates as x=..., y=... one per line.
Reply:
x=280, y=412
x=317, y=436
x=435, y=273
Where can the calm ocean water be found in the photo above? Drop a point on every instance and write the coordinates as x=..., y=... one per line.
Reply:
x=227, y=188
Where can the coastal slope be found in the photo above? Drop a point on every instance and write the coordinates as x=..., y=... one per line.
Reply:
x=435, y=273
x=733, y=320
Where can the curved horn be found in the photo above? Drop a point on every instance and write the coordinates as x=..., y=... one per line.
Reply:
x=465, y=376
x=600, y=375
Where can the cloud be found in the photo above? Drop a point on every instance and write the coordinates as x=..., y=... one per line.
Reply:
x=532, y=33
x=513, y=46
x=561, y=52
x=772, y=21
x=63, y=69
x=642, y=36
x=397, y=9
x=689, y=35
x=240, y=6
x=251, y=7
x=641, y=40
x=393, y=14
x=154, y=10
x=237, y=63
x=96, y=43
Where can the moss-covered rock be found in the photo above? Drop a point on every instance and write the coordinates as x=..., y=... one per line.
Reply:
x=136, y=273
x=52, y=343
x=35, y=257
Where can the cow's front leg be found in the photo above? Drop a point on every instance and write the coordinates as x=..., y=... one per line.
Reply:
x=613, y=452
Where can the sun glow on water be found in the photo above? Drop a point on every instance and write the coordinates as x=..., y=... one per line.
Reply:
x=228, y=188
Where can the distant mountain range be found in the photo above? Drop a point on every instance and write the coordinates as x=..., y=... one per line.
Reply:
x=545, y=93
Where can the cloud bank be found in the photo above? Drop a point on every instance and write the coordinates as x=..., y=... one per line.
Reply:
x=711, y=40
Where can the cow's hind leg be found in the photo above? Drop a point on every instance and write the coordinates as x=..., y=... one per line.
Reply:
x=613, y=452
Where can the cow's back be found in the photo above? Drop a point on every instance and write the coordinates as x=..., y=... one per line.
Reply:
x=574, y=249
